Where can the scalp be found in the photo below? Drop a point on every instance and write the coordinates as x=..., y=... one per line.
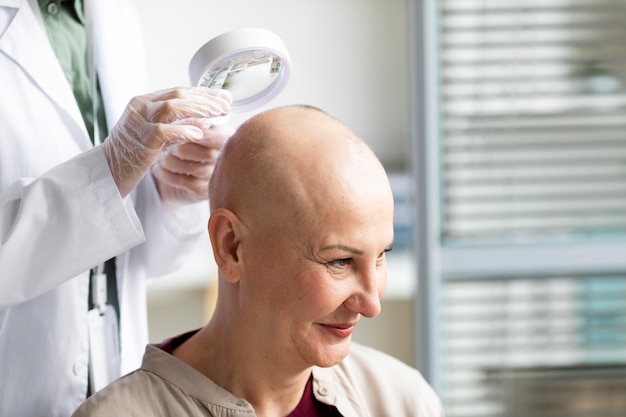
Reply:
x=289, y=160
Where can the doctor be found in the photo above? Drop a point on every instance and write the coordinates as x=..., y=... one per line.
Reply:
x=67, y=206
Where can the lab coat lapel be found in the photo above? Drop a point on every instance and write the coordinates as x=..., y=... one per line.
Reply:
x=25, y=41
x=119, y=60
x=8, y=8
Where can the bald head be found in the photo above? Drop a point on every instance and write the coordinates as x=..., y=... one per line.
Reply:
x=290, y=158
x=302, y=215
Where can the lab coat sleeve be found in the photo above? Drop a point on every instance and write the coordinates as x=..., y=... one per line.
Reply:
x=171, y=233
x=57, y=226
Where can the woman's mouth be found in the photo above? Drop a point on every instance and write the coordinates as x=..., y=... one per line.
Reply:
x=340, y=330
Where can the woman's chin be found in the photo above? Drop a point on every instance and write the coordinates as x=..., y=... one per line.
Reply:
x=333, y=354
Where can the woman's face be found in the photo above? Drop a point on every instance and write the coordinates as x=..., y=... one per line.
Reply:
x=312, y=281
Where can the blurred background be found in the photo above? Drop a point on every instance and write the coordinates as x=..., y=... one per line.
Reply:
x=502, y=125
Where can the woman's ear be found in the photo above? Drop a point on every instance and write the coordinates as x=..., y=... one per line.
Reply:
x=224, y=231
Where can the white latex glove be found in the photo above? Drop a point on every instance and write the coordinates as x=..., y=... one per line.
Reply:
x=153, y=121
x=183, y=171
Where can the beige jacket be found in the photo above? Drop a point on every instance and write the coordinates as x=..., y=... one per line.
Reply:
x=368, y=383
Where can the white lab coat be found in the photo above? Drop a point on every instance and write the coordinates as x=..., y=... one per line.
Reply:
x=60, y=214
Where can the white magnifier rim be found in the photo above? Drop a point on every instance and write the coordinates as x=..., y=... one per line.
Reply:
x=218, y=55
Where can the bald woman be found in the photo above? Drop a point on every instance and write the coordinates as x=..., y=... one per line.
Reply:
x=301, y=220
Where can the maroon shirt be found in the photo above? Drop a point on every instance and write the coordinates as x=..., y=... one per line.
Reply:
x=309, y=406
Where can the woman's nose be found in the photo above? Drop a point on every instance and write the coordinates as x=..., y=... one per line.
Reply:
x=370, y=287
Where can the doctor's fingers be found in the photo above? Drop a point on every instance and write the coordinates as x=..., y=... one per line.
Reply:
x=189, y=92
x=168, y=106
x=196, y=164
x=193, y=151
x=214, y=134
x=181, y=187
x=134, y=133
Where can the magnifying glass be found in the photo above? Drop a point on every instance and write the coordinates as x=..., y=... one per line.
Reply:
x=253, y=64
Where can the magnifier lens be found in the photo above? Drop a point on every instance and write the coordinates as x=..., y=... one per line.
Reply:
x=253, y=64
x=244, y=76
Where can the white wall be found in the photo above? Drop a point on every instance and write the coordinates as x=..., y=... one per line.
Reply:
x=349, y=56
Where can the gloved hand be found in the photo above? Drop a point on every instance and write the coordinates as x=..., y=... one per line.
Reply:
x=183, y=171
x=153, y=121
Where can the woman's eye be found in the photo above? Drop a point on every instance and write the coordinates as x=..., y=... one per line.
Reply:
x=340, y=263
x=382, y=254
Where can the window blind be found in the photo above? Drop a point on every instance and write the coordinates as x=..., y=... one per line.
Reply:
x=533, y=109
x=554, y=346
x=532, y=151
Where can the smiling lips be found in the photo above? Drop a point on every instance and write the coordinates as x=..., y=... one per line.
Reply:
x=341, y=330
